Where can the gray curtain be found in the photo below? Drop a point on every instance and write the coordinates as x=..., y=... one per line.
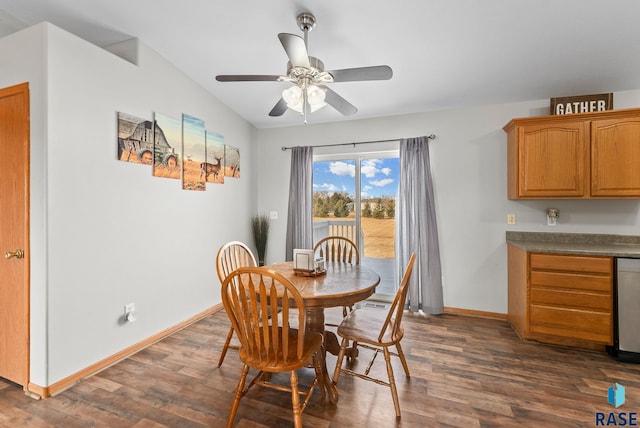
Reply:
x=417, y=230
x=300, y=213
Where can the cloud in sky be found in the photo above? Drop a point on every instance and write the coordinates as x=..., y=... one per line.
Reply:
x=370, y=167
x=378, y=176
x=326, y=186
x=342, y=168
x=381, y=183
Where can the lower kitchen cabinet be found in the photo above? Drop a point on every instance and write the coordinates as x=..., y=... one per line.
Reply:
x=561, y=299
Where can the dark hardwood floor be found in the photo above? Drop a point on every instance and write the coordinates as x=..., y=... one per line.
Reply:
x=465, y=372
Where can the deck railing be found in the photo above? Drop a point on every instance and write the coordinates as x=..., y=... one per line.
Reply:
x=385, y=267
x=345, y=228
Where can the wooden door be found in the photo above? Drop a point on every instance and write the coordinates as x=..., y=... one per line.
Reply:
x=553, y=160
x=14, y=234
x=615, y=157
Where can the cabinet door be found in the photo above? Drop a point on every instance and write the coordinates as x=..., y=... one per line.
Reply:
x=553, y=160
x=615, y=158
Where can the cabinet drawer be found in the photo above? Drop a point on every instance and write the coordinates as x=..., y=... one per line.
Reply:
x=572, y=263
x=572, y=323
x=573, y=281
x=568, y=299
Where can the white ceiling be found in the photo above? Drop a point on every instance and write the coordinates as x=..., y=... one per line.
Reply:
x=444, y=53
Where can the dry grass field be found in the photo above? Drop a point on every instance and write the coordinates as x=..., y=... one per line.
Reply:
x=379, y=235
x=192, y=175
x=165, y=171
x=132, y=157
x=191, y=179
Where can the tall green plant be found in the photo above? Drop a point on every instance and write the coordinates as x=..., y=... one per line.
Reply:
x=260, y=230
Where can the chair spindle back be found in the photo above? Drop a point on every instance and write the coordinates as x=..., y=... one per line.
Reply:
x=231, y=256
x=258, y=302
x=338, y=249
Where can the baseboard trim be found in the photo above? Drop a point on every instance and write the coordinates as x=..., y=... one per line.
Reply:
x=474, y=313
x=58, y=387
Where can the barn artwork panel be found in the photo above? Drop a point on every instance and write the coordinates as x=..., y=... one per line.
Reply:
x=167, y=146
x=135, y=139
x=193, y=153
x=232, y=161
x=213, y=168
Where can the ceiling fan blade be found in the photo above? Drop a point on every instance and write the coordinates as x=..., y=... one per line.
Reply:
x=338, y=103
x=296, y=49
x=279, y=108
x=246, y=78
x=378, y=72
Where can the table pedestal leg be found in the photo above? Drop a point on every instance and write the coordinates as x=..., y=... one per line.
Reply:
x=315, y=323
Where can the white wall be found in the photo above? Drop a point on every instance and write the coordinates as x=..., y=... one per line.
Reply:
x=468, y=161
x=106, y=233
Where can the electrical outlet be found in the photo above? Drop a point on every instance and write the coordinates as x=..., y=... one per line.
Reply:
x=511, y=219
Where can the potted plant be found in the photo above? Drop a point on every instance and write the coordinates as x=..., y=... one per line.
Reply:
x=260, y=230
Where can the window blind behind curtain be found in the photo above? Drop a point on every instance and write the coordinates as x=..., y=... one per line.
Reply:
x=300, y=212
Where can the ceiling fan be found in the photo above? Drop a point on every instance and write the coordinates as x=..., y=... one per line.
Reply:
x=309, y=91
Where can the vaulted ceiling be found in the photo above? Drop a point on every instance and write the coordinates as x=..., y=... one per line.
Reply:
x=444, y=54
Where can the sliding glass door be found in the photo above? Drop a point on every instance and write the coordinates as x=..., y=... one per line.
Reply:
x=355, y=196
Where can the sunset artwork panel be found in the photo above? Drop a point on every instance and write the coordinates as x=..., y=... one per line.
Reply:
x=232, y=161
x=193, y=153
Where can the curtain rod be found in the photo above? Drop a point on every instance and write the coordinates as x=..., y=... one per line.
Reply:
x=430, y=137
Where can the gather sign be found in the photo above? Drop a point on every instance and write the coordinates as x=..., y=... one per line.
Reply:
x=582, y=104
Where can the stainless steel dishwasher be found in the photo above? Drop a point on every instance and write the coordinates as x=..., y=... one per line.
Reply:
x=628, y=310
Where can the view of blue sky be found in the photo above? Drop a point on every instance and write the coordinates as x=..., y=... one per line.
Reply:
x=379, y=177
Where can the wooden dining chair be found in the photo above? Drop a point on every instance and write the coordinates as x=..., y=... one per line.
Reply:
x=377, y=330
x=338, y=249
x=231, y=256
x=252, y=297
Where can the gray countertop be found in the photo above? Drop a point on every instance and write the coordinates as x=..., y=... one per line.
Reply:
x=576, y=243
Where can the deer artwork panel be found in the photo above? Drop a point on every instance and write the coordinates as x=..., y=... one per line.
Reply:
x=212, y=170
x=193, y=152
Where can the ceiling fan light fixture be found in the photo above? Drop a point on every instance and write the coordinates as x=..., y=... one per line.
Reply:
x=315, y=97
x=294, y=97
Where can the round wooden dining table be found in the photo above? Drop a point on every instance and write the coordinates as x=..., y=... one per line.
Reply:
x=342, y=285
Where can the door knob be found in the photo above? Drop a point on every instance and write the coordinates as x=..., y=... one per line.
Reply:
x=18, y=254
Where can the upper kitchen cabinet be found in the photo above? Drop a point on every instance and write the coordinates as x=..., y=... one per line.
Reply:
x=615, y=157
x=590, y=155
